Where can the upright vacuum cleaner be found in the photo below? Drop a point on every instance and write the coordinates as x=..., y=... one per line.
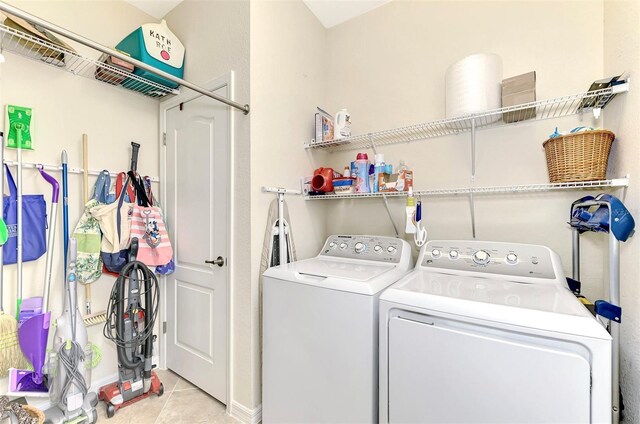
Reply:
x=69, y=363
x=132, y=312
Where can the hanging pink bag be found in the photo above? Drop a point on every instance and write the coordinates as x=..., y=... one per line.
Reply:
x=147, y=225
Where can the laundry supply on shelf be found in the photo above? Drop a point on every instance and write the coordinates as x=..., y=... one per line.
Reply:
x=342, y=125
x=324, y=126
x=379, y=169
x=401, y=181
x=362, y=173
x=322, y=181
x=344, y=185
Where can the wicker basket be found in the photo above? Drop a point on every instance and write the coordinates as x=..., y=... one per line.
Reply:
x=34, y=413
x=581, y=156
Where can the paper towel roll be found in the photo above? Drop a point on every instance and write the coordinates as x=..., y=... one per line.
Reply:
x=473, y=85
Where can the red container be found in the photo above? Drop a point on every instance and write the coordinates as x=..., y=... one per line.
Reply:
x=322, y=180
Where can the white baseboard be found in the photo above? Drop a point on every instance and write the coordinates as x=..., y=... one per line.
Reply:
x=244, y=414
x=44, y=403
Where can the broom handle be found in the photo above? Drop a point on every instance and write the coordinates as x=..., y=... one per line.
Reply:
x=2, y=171
x=19, y=244
x=85, y=180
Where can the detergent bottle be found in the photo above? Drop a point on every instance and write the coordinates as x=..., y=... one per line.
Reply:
x=342, y=125
x=362, y=173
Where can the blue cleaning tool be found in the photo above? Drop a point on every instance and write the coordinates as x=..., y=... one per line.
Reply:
x=65, y=208
x=609, y=212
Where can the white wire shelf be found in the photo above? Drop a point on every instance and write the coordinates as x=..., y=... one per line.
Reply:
x=526, y=112
x=40, y=50
x=525, y=188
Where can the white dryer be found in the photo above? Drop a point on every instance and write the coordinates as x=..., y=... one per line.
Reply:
x=488, y=332
x=320, y=331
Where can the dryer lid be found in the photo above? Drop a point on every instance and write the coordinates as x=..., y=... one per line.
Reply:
x=546, y=307
x=522, y=295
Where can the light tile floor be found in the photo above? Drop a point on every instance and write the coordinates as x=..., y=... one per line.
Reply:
x=181, y=402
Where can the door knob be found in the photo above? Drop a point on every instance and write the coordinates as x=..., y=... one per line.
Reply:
x=218, y=261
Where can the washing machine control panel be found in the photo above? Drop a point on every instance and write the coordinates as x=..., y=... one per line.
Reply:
x=509, y=259
x=370, y=248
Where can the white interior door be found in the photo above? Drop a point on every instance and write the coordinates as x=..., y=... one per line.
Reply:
x=197, y=199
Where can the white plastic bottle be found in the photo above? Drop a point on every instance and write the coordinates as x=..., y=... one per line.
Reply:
x=342, y=125
x=379, y=169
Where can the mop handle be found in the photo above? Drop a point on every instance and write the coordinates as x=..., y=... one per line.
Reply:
x=51, y=237
x=65, y=209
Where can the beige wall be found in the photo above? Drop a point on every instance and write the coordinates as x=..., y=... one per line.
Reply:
x=288, y=80
x=216, y=36
x=65, y=107
x=622, y=52
x=387, y=67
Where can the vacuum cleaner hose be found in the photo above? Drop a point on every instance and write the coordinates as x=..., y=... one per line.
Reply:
x=117, y=308
x=123, y=358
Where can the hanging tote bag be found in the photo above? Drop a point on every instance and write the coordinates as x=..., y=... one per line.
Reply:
x=114, y=220
x=147, y=225
x=34, y=224
x=88, y=235
x=169, y=267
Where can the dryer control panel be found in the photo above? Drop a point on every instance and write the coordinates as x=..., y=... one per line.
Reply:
x=370, y=248
x=498, y=258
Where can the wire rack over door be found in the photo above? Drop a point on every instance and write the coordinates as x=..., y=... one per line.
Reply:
x=51, y=54
x=538, y=110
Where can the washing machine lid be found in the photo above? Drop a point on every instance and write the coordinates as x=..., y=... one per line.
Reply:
x=549, y=307
x=364, y=277
x=332, y=268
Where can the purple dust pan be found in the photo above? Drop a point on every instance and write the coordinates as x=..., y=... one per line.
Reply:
x=33, y=335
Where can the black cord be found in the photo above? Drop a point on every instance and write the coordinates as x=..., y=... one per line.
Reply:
x=110, y=329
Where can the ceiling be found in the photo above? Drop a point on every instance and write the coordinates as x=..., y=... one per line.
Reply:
x=329, y=12
x=156, y=8
x=333, y=12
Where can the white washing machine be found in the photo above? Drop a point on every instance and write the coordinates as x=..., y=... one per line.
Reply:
x=487, y=332
x=320, y=331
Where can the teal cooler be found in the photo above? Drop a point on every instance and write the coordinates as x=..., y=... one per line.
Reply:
x=155, y=45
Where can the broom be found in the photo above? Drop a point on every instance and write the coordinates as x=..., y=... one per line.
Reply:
x=96, y=318
x=10, y=353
